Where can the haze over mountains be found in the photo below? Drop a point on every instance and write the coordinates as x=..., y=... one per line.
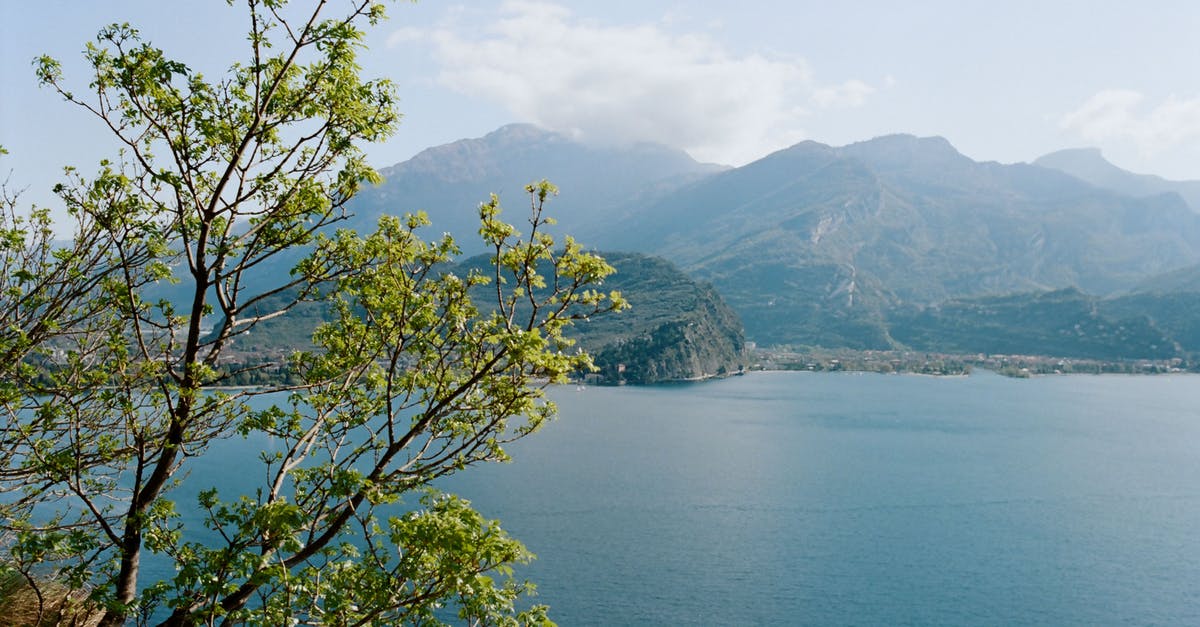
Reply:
x=1089, y=165
x=837, y=246
x=450, y=181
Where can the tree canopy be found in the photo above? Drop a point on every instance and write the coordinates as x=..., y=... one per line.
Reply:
x=112, y=381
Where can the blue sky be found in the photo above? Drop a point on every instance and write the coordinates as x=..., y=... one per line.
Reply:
x=729, y=82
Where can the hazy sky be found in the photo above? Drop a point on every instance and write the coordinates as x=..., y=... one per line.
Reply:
x=729, y=82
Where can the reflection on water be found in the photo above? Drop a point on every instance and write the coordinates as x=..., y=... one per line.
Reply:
x=799, y=498
x=785, y=498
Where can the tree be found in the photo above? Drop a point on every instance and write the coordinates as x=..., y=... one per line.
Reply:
x=112, y=390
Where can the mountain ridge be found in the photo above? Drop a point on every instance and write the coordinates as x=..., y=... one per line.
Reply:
x=899, y=219
x=819, y=245
x=1089, y=164
x=449, y=181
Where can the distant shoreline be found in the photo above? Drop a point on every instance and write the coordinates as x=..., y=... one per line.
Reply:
x=950, y=364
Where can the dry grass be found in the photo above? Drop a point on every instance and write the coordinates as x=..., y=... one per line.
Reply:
x=49, y=605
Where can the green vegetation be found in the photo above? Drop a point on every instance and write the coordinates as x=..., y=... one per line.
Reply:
x=1061, y=323
x=678, y=329
x=1177, y=314
x=879, y=245
x=230, y=189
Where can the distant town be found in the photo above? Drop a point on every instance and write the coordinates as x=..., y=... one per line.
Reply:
x=944, y=364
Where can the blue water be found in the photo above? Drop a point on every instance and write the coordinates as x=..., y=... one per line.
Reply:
x=799, y=498
x=849, y=499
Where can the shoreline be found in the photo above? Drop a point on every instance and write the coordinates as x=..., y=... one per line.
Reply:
x=954, y=364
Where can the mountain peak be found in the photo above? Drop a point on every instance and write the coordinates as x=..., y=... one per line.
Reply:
x=904, y=142
x=1089, y=165
x=471, y=158
x=1086, y=163
x=1088, y=152
x=522, y=132
x=908, y=153
x=450, y=180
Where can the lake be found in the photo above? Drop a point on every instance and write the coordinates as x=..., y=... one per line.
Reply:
x=799, y=498
x=787, y=498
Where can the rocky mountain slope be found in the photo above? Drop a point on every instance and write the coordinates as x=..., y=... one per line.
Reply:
x=884, y=243
x=449, y=181
x=814, y=244
x=676, y=329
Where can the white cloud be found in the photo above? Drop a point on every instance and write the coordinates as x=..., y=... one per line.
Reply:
x=632, y=82
x=1116, y=114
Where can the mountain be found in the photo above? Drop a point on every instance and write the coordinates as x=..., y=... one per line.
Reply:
x=878, y=244
x=816, y=244
x=1089, y=165
x=1182, y=280
x=449, y=181
x=1062, y=323
x=676, y=329
x=1176, y=314
x=1170, y=300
